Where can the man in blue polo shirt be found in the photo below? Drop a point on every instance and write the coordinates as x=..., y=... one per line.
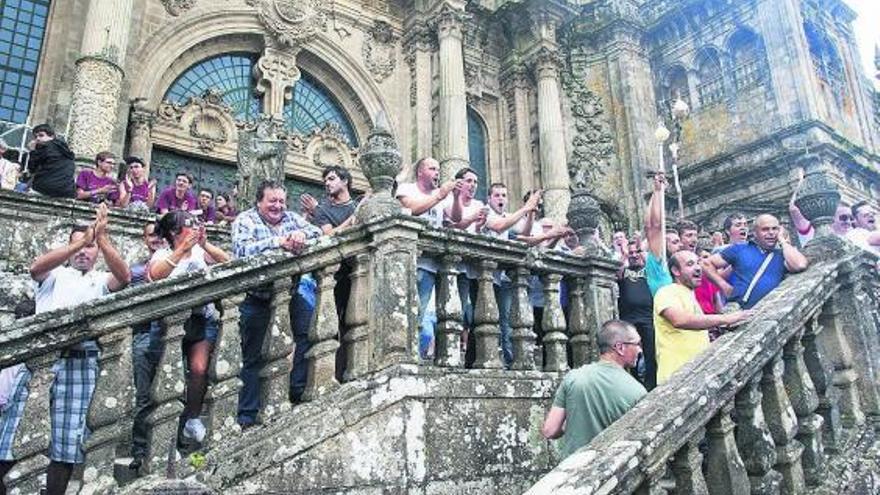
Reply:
x=759, y=265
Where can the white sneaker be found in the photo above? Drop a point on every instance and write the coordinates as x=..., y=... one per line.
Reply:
x=194, y=430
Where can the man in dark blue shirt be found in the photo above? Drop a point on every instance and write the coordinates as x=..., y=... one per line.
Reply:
x=759, y=265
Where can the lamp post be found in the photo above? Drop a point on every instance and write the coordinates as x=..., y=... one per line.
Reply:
x=679, y=112
x=661, y=134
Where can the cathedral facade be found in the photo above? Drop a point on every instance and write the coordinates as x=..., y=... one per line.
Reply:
x=550, y=94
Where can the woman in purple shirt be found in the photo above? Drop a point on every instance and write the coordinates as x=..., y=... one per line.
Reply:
x=135, y=191
x=97, y=186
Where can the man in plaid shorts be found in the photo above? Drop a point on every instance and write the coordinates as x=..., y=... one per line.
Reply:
x=65, y=278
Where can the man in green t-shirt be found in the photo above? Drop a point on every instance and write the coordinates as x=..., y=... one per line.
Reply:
x=593, y=396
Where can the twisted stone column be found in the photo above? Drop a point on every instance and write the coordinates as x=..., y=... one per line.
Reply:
x=453, y=152
x=98, y=74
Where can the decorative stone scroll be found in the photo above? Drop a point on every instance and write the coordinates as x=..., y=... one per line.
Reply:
x=592, y=144
x=379, y=51
x=293, y=22
x=177, y=7
x=206, y=118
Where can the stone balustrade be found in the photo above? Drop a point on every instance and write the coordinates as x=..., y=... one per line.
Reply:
x=380, y=330
x=767, y=408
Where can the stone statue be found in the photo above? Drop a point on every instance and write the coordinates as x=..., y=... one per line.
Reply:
x=261, y=155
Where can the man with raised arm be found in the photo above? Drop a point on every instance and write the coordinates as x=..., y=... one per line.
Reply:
x=661, y=242
x=427, y=198
x=595, y=395
x=680, y=327
x=269, y=227
x=65, y=278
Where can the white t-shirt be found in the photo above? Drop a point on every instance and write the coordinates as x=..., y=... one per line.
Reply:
x=66, y=287
x=195, y=262
x=433, y=215
x=505, y=234
x=859, y=237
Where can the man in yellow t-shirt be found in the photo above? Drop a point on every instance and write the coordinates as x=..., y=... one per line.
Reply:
x=680, y=327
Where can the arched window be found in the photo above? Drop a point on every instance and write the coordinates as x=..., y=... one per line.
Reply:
x=710, y=85
x=675, y=85
x=477, y=151
x=312, y=105
x=825, y=57
x=749, y=66
x=230, y=74
x=22, y=25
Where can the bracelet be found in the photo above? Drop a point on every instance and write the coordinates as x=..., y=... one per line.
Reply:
x=168, y=260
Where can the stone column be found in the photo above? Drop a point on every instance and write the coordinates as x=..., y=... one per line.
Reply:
x=276, y=73
x=516, y=92
x=140, y=129
x=551, y=135
x=419, y=46
x=98, y=74
x=453, y=152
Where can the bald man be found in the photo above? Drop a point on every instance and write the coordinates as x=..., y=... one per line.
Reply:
x=680, y=327
x=758, y=265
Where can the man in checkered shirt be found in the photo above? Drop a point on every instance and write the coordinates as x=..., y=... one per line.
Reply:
x=269, y=227
x=65, y=278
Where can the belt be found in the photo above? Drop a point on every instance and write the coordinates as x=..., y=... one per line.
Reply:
x=79, y=353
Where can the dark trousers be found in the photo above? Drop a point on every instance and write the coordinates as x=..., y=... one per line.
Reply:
x=646, y=369
x=146, y=349
x=253, y=325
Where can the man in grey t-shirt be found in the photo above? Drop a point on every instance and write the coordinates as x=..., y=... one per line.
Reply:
x=593, y=396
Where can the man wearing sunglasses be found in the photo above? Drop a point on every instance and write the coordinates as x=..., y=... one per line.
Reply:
x=593, y=396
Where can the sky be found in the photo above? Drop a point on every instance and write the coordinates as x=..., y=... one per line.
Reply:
x=867, y=28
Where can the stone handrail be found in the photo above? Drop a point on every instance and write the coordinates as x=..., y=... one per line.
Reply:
x=796, y=374
x=380, y=319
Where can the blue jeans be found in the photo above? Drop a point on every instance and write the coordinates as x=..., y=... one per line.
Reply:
x=425, y=282
x=253, y=324
x=146, y=352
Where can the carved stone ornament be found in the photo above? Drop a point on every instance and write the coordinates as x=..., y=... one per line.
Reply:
x=584, y=214
x=818, y=198
x=592, y=145
x=293, y=22
x=261, y=154
x=379, y=51
x=329, y=146
x=276, y=73
x=206, y=118
x=177, y=7
x=380, y=161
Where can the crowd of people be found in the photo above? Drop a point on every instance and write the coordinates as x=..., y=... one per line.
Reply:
x=676, y=294
x=50, y=172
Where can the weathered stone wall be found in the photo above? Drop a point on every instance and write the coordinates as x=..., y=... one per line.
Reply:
x=410, y=429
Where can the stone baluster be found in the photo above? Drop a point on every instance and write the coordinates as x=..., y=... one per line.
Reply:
x=277, y=351
x=109, y=417
x=168, y=387
x=653, y=484
x=221, y=401
x=754, y=441
x=582, y=345
x=32, y=436
x=522, y=321
x=687, y=470
x=486, y=330
x=820, y=373
x=323, y=333
x=356, y=340
x=782, y=422
x=725, y=474
x=844, y=377
x=449, y=313
x=553, y=323
x=804, y=400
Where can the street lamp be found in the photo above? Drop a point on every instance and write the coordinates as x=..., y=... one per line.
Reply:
x=679, y=111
